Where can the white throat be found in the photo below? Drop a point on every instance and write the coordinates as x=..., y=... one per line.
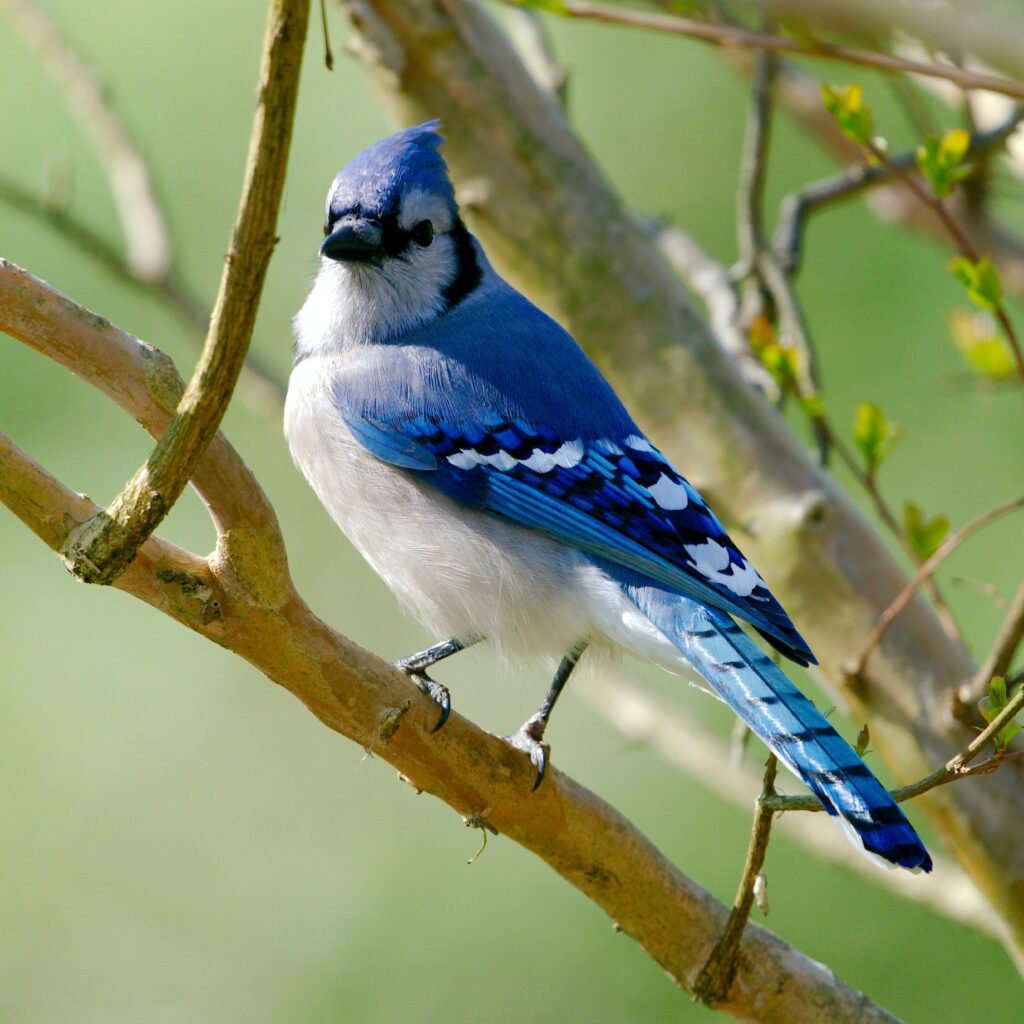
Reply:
x=357, y=304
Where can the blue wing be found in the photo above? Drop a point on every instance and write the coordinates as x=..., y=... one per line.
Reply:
x=616, y=498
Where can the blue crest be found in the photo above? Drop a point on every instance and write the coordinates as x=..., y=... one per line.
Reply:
x=376, y=179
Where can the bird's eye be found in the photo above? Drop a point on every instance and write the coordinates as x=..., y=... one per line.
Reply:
x=423, y=233
x=327, y=228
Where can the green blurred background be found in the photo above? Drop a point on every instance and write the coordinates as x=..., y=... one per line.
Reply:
x=183, y=841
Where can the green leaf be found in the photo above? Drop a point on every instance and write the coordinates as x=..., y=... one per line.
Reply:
x=982, y=281
x=863, y=739
x=985, y=351
x=941, y=161
x=990, y=706
x=813, y=406
x=925, y=535
x=873, y=434
x=846, y=105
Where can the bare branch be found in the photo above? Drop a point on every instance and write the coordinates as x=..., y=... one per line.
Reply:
x=989, y=32
x=1000, y=658
x=242, y=598
x=259, y=385
x=530, y=35
x=797, y=207
x=147, y=239
x=734, y=37
x=709, y=280
x=924, y=573
x=101, y=549
x=717, y=974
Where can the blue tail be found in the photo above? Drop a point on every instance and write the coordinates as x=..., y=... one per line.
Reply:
x=756, y=689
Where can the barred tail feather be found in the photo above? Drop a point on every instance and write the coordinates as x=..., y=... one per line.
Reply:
x=776, y=711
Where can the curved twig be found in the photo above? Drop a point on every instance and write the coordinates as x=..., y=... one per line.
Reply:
x=101, y=549
x=924, y=573
x=143, y=225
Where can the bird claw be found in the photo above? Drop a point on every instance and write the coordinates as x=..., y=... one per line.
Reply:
x=530, y=739
x=436, y=691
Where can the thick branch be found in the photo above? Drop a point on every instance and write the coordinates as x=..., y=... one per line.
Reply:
x=481, y=777
x=552, y=223
x=100, y=549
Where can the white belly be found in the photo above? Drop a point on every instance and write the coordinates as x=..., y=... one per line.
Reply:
x=460, y=572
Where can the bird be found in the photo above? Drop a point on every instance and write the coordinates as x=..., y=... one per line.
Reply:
x=481, y=463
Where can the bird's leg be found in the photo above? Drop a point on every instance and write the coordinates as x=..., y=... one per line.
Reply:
x=417, y=664
x=530, y=736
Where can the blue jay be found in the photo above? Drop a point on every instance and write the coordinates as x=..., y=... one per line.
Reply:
x=486, y=470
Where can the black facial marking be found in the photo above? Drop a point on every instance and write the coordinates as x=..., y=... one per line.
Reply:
x=467, y=275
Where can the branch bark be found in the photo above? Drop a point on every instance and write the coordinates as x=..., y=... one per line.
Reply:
x=555, y=227
x=99, y=550
x=242, y=598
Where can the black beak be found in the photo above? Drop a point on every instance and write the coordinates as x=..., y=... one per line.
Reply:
x=356, y=241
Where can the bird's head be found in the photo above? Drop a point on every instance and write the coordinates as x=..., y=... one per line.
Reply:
x=392, y=226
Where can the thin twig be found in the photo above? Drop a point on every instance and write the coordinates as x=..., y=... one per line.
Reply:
x=797, y=207
x=260, y=385
x=869, y=482
x=754, y=161
x=147, y=239
x=732, y=36
x=716, y=976
x=101, y=549
x=925, y=572
x=753, y=247
x=1000, y=657
x=963, y=244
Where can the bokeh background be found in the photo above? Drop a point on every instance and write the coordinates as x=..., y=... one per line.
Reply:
x=181, y=840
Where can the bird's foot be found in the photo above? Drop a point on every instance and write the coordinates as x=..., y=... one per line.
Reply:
x=530, y=739
x=436, y=691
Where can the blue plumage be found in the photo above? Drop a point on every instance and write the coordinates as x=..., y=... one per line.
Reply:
x=488, y=471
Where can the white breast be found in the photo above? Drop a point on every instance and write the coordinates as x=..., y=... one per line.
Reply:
x=460, y=572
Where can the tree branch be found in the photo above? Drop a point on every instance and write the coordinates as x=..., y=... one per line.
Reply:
x=242, y=598
x=719, y=970
x=988, y=32
x=1000, y=658
x=923, y=574
x=259, y=385
x=101, y=549
x=552, y=224
x=731, y=36
x=798, y=207
x=147, y=239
